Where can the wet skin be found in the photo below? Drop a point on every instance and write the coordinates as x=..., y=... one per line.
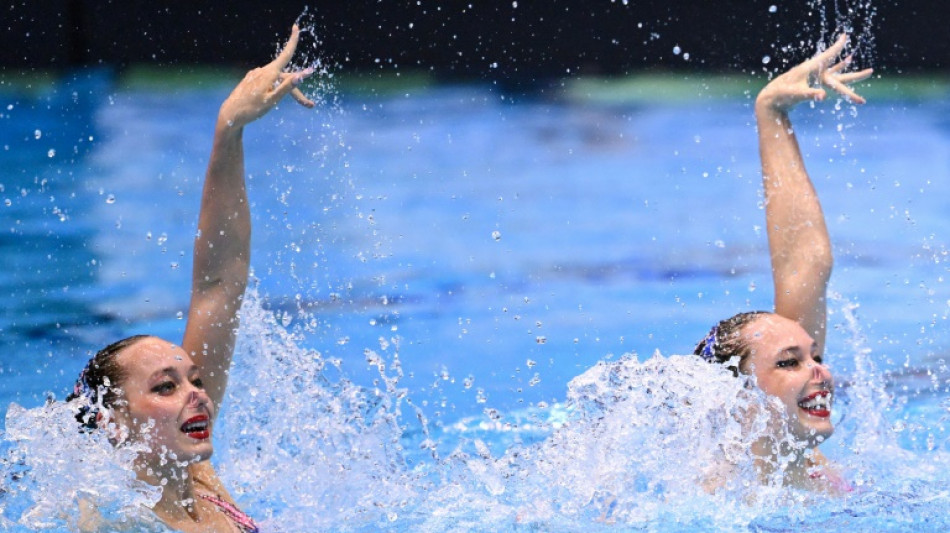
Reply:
x=163, y=388
x=787, y=365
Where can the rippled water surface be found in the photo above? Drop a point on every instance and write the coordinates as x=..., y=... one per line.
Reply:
x=458, y=297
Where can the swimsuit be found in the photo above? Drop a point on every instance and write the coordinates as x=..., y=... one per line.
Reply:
x=244, y=522
x=837, y=482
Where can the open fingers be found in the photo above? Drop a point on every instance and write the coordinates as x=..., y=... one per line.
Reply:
x=302, y=99
x=287, y=83
x=828, y=56
x=844, y=90
x=283, y=87
x=853, y=77
x=287, y=53
x=839, y=66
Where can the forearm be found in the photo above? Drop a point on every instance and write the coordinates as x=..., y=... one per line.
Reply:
x=222, y=246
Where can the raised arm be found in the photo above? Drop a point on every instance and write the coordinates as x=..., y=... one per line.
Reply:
x=799, y=245
x=222, y=245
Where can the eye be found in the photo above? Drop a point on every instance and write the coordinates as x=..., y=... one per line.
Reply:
x=787, y=363
x=164, y=388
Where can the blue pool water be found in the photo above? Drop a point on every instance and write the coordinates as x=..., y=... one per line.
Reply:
x=435, y=264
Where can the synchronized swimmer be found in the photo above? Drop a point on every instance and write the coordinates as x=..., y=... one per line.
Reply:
x=784, y=349
x=147, y=389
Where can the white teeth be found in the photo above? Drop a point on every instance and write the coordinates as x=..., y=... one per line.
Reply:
x=822, y=401
x=195, y=426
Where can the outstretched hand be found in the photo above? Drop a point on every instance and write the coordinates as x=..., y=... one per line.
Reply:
x=262, y=88
x=808, y=80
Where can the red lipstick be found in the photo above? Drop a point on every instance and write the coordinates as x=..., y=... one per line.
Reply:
x=197, y=427
x=817, y=404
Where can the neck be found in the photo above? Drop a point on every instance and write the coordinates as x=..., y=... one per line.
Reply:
x=795, y=460
x=178, y=494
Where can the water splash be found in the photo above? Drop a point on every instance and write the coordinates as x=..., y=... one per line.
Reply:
x=51, y=470
x=304, y=448
x=660, y=444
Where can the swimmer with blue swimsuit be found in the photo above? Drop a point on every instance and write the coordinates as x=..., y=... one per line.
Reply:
x=784, y=348
x=146, y=389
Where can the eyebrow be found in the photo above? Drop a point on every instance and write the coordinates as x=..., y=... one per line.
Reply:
x=794, y=349
x=172, y=371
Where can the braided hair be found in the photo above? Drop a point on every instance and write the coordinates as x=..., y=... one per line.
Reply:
x=724, y=342
x=97, y=386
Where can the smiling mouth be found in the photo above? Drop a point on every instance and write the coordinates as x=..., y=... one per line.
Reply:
x=817, y=404
x=197, y=427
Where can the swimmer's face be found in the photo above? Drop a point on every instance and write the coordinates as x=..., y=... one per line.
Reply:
x=163, y=401
x=787, y=365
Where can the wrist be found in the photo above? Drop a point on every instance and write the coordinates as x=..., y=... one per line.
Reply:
x=767, y=109
x=227, y=129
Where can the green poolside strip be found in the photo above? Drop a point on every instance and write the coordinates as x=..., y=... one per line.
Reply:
x=638, y=88
x=684, y=88
x=152, y=78
x=144, y=77
x=27, y=82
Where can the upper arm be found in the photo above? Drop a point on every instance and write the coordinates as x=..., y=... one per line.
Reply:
x=801, y=295
x=211, y=333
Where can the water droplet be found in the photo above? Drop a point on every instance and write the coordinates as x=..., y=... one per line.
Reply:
x=514, y=5
x=676, y=50
x=51, y=153
x=766, y=60
x=530, y=363
x=179, y=315
x=773, y=9
x=37, y=134
x=496, y=235
x=110, y=199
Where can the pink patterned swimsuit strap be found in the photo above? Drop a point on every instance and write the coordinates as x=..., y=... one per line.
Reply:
x=244, y=522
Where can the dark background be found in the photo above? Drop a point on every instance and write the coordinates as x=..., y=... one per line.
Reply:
x=461, y=39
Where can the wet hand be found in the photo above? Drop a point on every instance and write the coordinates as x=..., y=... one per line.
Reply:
x=808, y=80
x=262, y=88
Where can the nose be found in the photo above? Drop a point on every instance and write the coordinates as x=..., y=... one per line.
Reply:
x=821, y=373
x=198, y=397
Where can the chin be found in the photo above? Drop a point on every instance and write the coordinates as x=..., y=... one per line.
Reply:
x=815, y=435
x=201, y=453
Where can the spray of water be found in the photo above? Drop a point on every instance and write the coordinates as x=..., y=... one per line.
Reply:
x=303, y=447
x=54, y=475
